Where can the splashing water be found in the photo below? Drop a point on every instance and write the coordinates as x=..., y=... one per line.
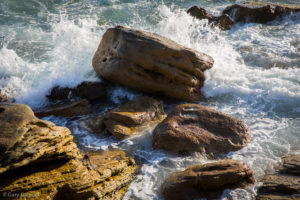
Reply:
x=255, y=76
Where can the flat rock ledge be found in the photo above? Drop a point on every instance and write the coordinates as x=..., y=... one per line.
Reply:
x=151, y=63
x=193, y=128
x=39, y=160
x=285, y=184
x=207, y=180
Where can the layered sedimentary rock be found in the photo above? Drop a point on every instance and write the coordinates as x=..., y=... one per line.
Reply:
x=39, y=160
x=259, y=12
x=193, y=128
x=68, y=109
x=207, y=180
x=137, y=116
x=283, y=185
x=151, y=63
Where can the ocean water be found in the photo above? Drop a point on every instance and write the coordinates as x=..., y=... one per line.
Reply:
x=256, y=75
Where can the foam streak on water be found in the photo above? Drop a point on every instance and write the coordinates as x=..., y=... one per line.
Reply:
x=255, y=76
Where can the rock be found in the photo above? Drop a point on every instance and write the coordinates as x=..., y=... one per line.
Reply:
x=86, y=90
x=282, y=185
x=259, y=12
x=224, y=22
x=137, y=116
x=291, y=165
x=69, y=109
x=207, y=180
x=151, y=63
x=41, y=161
x=193, y=128
x=93, y=123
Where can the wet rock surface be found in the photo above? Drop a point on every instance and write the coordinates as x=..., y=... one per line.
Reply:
x=68, y=109
x=207, y=180
x=41, y=161
x=259, y=12
x=86, y=90
x=283, y=185
x=224, y=22
x=137, y=116
x=151, y=63
x=193, y=128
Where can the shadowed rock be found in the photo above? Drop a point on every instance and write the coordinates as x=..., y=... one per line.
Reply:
x=259, y=12
x=151, y=63
x=86, y=90
x=192, y=128
x=223, y=22
x=207, y=180
x=69, y=109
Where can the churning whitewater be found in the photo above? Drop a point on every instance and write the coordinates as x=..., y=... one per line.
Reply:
x=255, y=77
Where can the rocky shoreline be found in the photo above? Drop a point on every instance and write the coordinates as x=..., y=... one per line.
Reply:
x=39, y=160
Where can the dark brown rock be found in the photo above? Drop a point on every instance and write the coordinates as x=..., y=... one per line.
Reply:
x=207, y=180
x=193, y=128
x=69, y=109
x=278, y=197
x=224, y=22
x=86, y=90
x=259, y=12
x=151, y=63
x=136, y=117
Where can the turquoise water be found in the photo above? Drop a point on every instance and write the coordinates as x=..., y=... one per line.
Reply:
x=255, y=76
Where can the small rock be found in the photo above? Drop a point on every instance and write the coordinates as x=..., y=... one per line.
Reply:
x=137, y=116
x=224, y=22
x=207, y=180
x=291, y=165
x=151, y=63
x=69, y=109
x=192, y=128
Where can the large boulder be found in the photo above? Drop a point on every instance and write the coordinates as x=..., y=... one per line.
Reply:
x=224, y=22
x=151, y=63
x=68, y=109
x=136, y=117
x=193, y=128
x=86, y=90
x=207, y=180
x=39, y=160
x=285, y=184
x=259, y=12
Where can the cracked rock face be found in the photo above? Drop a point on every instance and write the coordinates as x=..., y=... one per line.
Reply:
x=207, y=180
x=151, y=63
x=41, y=161
x=192, y=128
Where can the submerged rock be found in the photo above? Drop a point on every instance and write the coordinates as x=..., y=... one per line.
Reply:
x=151, y=63
x=207, y=180
x=86, y=90
x=69, y=109
x=137, y=116
x=194, y=128
x=40, y=161
x=224, y=22
x=259, y=12
x=283, y=185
